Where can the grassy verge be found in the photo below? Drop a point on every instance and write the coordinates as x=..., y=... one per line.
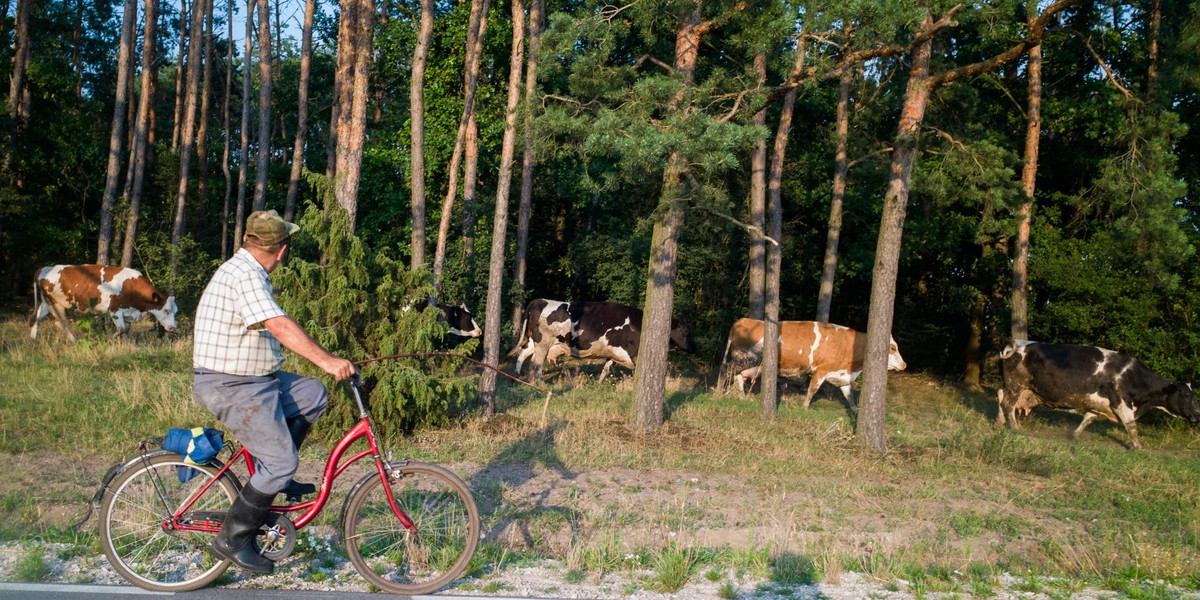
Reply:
x=718, y=494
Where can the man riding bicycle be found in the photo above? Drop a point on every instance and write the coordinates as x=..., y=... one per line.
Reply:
x=236, y=359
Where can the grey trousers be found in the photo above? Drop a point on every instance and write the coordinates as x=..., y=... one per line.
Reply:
x=255, y=409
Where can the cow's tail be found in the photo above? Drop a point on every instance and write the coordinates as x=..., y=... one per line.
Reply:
x=37, y=300
x=520, y=342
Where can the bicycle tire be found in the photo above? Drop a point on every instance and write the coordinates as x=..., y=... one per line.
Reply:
x=131, y=517
x=395, y=560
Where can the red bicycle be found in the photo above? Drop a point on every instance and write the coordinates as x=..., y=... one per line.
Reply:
x=408, y=527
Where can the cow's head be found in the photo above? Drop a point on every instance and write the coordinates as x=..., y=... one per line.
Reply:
x=166, y=314
x=1180, y=400
x=460, y=321
x=681, y=336
x=895, y=361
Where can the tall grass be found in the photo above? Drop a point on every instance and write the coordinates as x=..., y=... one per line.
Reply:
x=793, y=499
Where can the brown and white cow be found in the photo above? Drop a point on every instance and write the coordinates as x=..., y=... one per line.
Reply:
x=1087, y=379
x=586, y=330
x=827, y=352
x=121, y=292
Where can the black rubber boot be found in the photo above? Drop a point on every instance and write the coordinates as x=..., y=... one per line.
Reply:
x=298, y=426
x=236, y=540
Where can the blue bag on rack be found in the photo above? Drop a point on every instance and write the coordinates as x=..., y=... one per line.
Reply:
x=197, y=446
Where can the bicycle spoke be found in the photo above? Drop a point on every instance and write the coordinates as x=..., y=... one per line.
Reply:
x=426, y=558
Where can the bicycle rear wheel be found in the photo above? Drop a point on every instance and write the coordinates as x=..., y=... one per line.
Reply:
x=400, y=561
x=137, y=504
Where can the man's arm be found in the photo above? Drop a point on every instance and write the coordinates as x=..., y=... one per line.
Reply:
x=295, y=338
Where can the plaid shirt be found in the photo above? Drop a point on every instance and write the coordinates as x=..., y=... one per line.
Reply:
x=229, y=336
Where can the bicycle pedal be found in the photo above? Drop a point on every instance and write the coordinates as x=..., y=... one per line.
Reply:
x=295, y=491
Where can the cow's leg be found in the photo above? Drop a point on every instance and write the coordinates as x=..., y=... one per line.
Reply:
x=539, y=360
x=814, y=384
x=749, y=375
x=604, y=372
x=60, y=315
x=39, y=313
x=1087, y=419
x=118, y=319
x=848, y=391
x=1000, y=420
x=1129, y=419
x=525, y=353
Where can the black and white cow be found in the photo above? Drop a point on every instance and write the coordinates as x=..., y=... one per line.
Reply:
x=1094, y=381
x=457, y=317
x=586, y=330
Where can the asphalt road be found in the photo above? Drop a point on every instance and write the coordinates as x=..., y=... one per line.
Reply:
x=45, y=591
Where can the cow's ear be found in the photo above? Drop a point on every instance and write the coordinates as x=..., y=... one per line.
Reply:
x=157, y=298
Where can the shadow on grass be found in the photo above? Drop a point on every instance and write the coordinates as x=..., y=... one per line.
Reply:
x=528, y=520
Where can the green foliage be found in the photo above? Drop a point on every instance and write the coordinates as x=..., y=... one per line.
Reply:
x=356, y=302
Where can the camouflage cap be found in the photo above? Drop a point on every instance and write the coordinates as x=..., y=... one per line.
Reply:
x=269, y=227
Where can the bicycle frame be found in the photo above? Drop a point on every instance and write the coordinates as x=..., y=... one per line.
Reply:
x=334, y=467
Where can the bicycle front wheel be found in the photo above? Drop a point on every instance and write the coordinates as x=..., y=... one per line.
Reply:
x=403, y=561
x=134, y=519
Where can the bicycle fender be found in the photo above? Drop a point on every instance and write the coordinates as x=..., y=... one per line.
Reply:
x=372, y=476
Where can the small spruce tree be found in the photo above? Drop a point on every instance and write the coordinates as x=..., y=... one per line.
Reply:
x=358, y=304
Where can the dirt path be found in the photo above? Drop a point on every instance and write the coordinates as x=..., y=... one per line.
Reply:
x=551, y=512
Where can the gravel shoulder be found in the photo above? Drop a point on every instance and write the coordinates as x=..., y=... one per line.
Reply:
x=696, y=510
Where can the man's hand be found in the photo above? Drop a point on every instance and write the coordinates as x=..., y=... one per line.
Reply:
x=338, y=367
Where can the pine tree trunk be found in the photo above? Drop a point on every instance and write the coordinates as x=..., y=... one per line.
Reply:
x=1033, y=132
x=140, y=152
x=470, y=187
x=228, y=133
x=342, y=89
x=77, y=49
x=475, y=30
x=650, y=374
x=187, y=135
x=239, y=220
x=289, y=211
x=1155, y=27
x=201, y=203
x=352, y=124
x=416, y=95
x=833, y=234
x=769, y=388
x=262, y=164
x=17, y=107
x=495, y=293
x=873, y=407
x=116, y=136
x=758, y=203
x=527, y=163
x=180, y=68
x=4, y=4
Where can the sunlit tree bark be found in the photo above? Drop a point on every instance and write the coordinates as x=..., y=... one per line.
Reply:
x=262, y=163
x=116, y=136
x=187, y=136
x=416, y=95
x=475, y=32
x=527, y=163
x=758, y=203
x=139, y=153
x=310, y=7
x=491, y=330
x=228, y=141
